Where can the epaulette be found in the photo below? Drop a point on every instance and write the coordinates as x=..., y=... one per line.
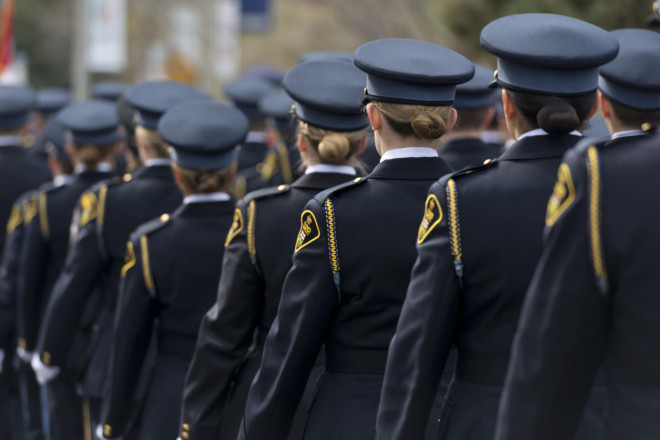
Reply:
x=142, y=234
x=266, y=192
x=320, y=197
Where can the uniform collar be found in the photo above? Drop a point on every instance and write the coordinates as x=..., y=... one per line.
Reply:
x=411, y=168
x=321, y=181
x=408, y=152
x=206, y=198
x=326, y=168
x=627, y=133
x=102, y=167
x=540, y=147
x=61, y=180
x=158, y=161
x=542, y=132
x=256, y=137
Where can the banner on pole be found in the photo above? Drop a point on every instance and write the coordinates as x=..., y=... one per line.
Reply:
x=106, y=35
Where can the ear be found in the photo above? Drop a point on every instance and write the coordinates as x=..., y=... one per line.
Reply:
x=302, y=144
x=452, y=120
x=178, y=177
x=605, y=106
x=375, y=117
x=509, y=109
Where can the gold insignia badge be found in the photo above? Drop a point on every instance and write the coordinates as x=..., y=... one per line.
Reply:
x=432, y=217
x=89, y=208
x=562, y=196
x=129, y=260
x=15, y=218
x=309, y=230
x=236, y=226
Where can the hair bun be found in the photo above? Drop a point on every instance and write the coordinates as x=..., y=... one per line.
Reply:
x=558, y=117
x=334, y=147
x=428, y=125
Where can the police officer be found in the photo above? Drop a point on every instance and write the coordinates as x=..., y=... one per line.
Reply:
x=593, y=299
x=172, y=269
x=354, y=252
x=253, y=170
x=84, y=296
x=257, y=258
x=46, y=239
x=281, y=135
x=480, y=235
x=475, y=106
x=48, y=102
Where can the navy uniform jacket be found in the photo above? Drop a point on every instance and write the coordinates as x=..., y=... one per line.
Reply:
x=171, y=275
x=478, y=244
x=84, y=294
x=20, y=172
x=44, y=250
x=594, y=299
x=464, y=153
x=257, y=259
x=260, y=166
x=23, y=210
x=354, y=251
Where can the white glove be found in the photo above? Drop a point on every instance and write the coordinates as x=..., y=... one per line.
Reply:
x=25, y=356
x=43, y=372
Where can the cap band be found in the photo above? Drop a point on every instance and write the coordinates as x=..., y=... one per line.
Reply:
x=13, y=120
x=202, y=161
x=96, y=138
x=331, y=121
x=526, y=78
x=634, y=98
x=382, y=89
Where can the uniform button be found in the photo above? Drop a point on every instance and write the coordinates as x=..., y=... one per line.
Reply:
x=127, y=177
x=185, y=435
x=95, y=328
x=357, y=179
x=487, y=161
x=495, y=74
x=646, y=126
x=107, y=430
x=45, y=358
x=186, y=427
x=164, y=218
x=281, y=187
x=21, y=343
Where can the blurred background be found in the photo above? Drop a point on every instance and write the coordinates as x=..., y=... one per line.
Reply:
x=72, y=43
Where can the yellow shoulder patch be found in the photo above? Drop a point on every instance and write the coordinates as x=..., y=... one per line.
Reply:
x=129, y=260
x=236, y=226
x=432, y=217
x=15, y=218
x=309, y=230
x=562, y=196
x=89, y=208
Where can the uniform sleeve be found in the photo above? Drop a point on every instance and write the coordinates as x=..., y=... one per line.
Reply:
x=562, y=330
x=309, y=300
x=225, y=335
x=31, y=282
x=70, y=295
x=8, y=285
x=134, y=319
x=419, y=348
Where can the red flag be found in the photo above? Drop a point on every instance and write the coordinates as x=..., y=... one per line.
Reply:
x=6, y=34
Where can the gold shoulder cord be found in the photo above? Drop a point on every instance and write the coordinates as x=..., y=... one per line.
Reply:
x=595, y=238
x=285, y=163
x=333, y=249
x=251, y=236
x=43, y=215
x=146, y=268
x=103, y=194
x=455, y=231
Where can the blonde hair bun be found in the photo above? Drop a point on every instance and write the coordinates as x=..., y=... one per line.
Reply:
x=334, y=147
x=428, y=125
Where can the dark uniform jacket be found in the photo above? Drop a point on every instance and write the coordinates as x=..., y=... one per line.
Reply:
x=257, y=259
x=594, y=299
x=479, y=240
x=354, y=252
x=84, y=295
x=170, y=277
x=44, y=250
x=464, y=153
x=20, y=172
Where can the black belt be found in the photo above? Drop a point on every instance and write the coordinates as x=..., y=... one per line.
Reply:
x=355, y=360
x=179, y=346
x=482, y=370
